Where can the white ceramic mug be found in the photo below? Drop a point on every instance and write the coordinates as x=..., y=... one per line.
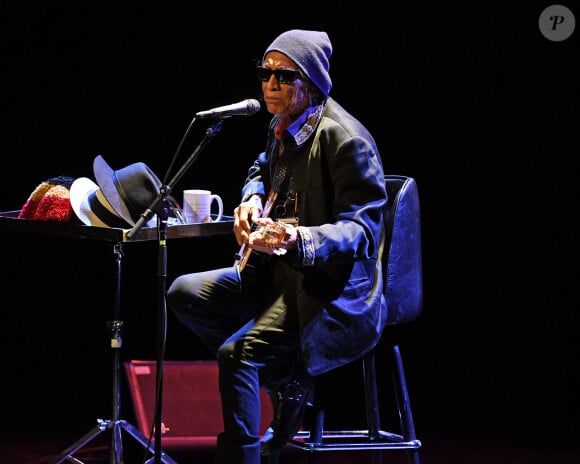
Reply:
x=197, y=206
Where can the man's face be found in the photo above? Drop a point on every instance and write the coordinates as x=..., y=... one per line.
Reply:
x=289, y=97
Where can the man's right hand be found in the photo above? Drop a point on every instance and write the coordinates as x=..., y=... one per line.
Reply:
x=245, y=215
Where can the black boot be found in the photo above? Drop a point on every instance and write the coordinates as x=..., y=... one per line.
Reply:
x=289, y=408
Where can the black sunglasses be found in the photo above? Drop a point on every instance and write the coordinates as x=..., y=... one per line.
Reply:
x=283, y=76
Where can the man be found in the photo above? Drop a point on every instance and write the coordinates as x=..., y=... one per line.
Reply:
x=305, y=295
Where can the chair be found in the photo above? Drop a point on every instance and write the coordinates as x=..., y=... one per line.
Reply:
x=403, y=288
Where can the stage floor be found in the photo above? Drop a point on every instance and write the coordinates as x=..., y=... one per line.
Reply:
x=437, y=449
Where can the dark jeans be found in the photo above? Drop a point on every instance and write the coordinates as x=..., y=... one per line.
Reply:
x=250, y=322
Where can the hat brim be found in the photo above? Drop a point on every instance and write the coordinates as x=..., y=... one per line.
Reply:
x=81, y=191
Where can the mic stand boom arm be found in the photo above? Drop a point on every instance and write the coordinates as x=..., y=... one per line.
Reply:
x=166, y=189
x=161, y=200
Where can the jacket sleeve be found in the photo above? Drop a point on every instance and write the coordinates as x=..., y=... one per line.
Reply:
x=350, y=203
x=254, y=183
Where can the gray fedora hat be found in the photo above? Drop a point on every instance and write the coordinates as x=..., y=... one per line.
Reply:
x=130, y=190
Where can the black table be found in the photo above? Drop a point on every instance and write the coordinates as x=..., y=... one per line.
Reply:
x=9, y=222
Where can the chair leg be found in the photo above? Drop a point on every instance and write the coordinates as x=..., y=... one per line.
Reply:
x=317, y=413
x=404, y=404
x=372, y=402
x=371, y=395
x=317, y=436
x=317, y=416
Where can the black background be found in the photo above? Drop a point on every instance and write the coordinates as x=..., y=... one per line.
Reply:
x=469, y=99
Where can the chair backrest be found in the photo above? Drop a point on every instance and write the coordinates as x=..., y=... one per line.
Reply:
x=402, y=258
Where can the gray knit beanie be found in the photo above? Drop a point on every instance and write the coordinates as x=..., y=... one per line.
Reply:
x=310, y=50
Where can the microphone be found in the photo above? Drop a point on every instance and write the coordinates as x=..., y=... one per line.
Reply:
x=243, y=108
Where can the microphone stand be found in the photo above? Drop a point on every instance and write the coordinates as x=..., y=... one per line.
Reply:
x=160, y=205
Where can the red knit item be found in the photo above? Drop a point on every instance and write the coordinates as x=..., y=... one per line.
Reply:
x=48, y=202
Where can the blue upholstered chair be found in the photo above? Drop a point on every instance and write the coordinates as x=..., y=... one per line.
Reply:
x=403, y=287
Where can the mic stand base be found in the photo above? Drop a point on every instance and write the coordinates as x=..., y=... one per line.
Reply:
x=115, y=424
x=116, y=427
